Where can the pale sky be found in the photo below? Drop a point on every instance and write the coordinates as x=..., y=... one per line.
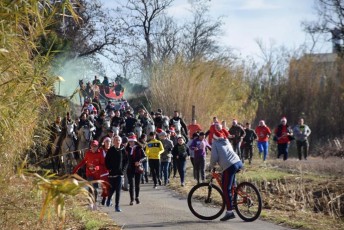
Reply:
x=245, y=21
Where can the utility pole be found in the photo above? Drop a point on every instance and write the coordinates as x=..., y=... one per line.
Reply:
x=193, y=114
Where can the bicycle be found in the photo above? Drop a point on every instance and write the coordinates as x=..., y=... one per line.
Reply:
x=206, y=200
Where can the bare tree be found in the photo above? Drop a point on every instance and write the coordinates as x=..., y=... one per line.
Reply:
x=140, y=21
x=166, y=39
x=95, y=33
x=330, y=20
x=200, y=33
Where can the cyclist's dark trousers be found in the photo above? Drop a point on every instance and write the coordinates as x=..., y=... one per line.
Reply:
x=283, y=150
x=131, y=178
x=154, y=166
x=116, y=186
x=228, y=178
x=302, y=145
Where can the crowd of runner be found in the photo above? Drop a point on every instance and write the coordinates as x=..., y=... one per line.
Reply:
x=128, y=149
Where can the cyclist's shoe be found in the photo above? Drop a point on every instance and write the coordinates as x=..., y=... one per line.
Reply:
x=228, y=216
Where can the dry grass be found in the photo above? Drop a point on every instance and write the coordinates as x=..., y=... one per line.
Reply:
x=21, y=206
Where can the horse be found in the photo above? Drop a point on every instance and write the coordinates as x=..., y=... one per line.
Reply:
x=105, y=127
x=55, y=149
x=84, y=137
x=116, y=130
x=165, y=123
x=138, y=130
x=177, y=126
x=68, y=147
x=150, y=127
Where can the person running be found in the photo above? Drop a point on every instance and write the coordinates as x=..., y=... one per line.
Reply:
x=237, y=134
x=247, y=143
x=178, y=122
x=165, y=157
x=103, y=171
x=222, y=153
x=263, y=132
x=211, y=130
x=153, y=150
x=200, y=145
x=181, y=152
x=92, y=160
x=193, y=128
x=135, y=156
x=143, y=142
x=116, y=162
x=301, y=133
x=283, y=136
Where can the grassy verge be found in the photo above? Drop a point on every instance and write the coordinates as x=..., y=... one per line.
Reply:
x=295, y=194
x=21, y=206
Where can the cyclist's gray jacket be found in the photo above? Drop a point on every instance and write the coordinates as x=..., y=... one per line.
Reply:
x=222, y=153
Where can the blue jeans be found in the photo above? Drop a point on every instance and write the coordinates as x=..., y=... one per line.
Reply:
x=263, y=147
x=164, y=170
x=181, y=169
x=116, y=186
x=228, y=178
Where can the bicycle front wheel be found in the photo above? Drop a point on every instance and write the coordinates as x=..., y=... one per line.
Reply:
x=247, y=202
x=205, y=201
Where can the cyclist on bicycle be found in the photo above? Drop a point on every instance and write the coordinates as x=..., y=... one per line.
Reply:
x=222, y=153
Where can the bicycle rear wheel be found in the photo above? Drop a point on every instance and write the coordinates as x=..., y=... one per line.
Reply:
x=247, y=202
x=206, y=201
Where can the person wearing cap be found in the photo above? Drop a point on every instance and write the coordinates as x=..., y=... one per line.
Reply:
x=153, y=150
x=135, y=156
x=193, y=128
x=116, y=161
x=222, y=153
x=263, y=132
x=103, y=171
x=199, y=145
x=283, y=136
x=181, y=152
x=237, y=134
x=301, y=132
x=165, y=157
x=92, y=160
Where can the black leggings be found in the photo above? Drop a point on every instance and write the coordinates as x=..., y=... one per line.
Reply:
x=131, y=178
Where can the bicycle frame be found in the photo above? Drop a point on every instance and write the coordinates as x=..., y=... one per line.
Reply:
x=217, y=176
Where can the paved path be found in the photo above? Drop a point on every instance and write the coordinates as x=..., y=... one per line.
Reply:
x=162, y=208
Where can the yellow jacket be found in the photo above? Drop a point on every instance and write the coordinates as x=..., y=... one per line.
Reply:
x=153, y=149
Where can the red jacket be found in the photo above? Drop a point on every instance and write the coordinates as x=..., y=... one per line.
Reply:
x=211, y=134
x=281, y=133
x=263, y=133
x=93, y=164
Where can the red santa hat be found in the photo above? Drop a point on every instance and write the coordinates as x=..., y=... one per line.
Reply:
x=132, y=138
x=172, y=130
x=159, y=130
